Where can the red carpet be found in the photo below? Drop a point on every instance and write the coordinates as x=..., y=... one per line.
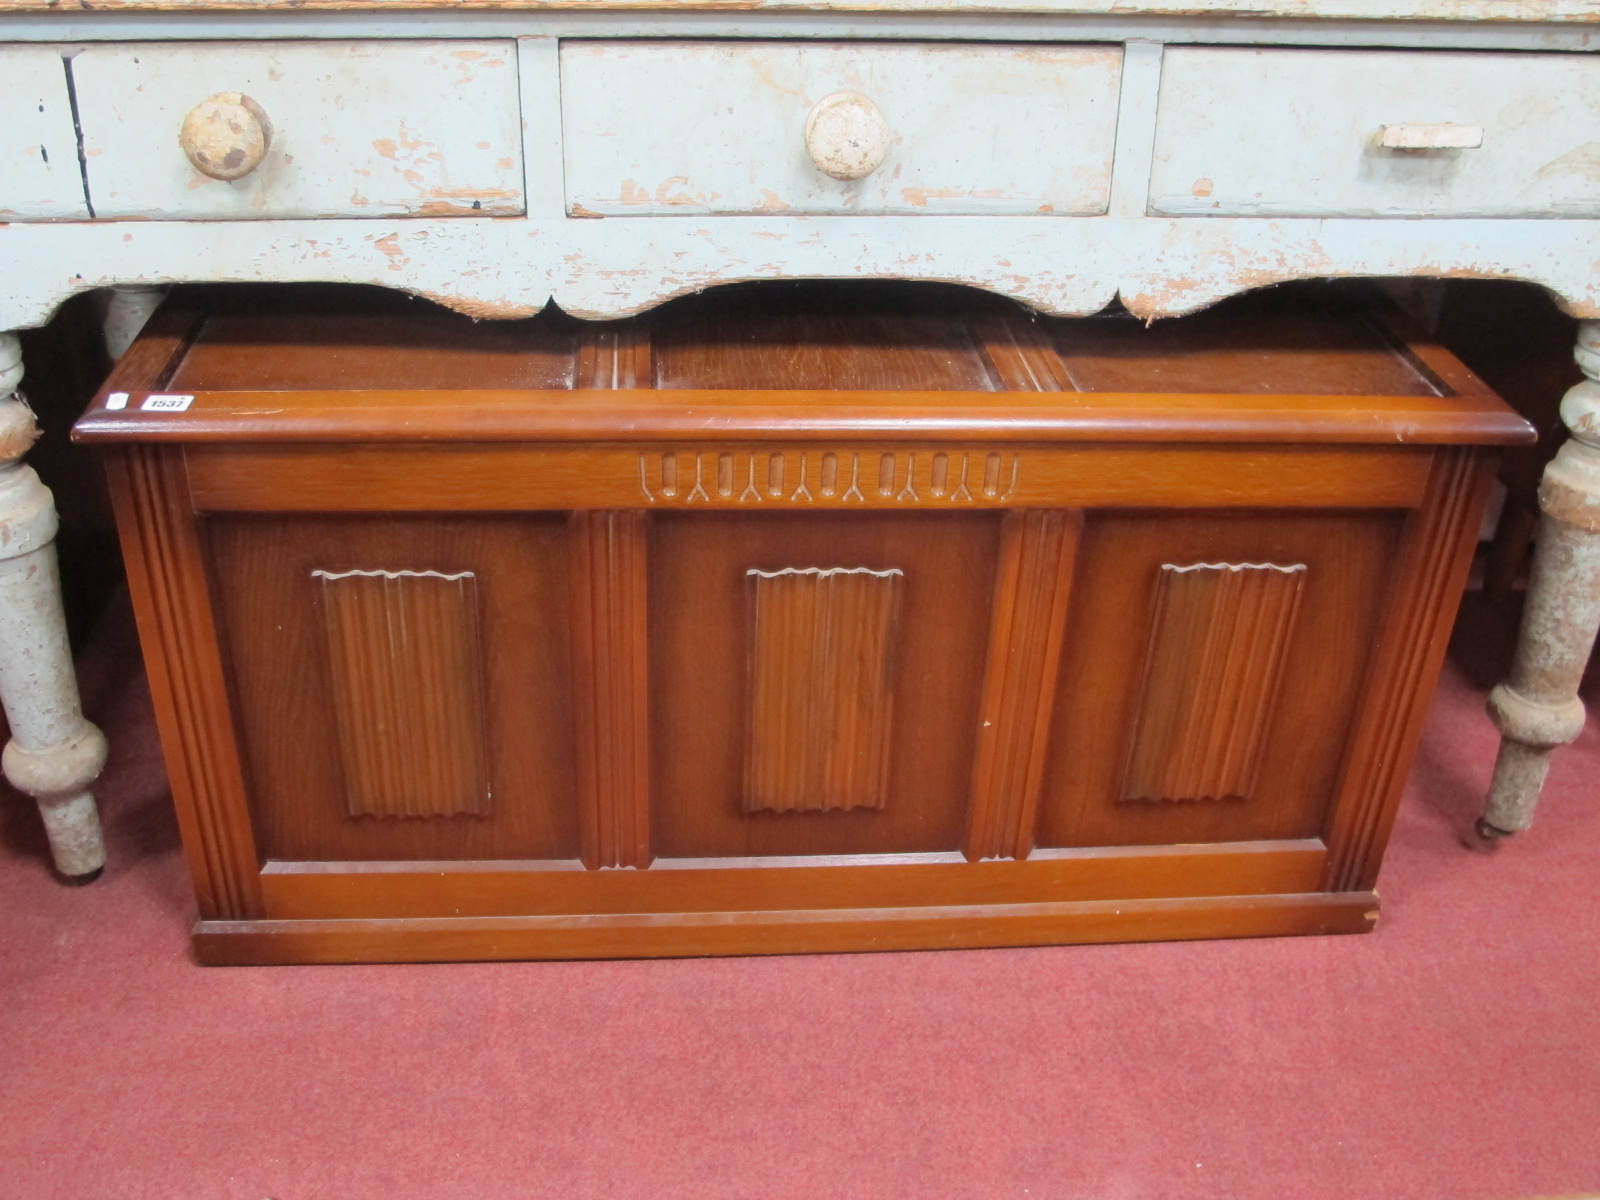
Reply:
x=1453, y=1053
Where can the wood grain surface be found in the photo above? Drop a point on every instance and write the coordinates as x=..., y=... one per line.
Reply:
x=1219, y=637
x=363, y=890
x=821, y=704
x=168, y=578
x=405, y=658
x=700, y=692
x=1350, y=561
x=800, y=931
x=815, y=363
x=611, y=685
x=850, y=619
x=1435, y=555
x=1033, y=588
x=272, y=630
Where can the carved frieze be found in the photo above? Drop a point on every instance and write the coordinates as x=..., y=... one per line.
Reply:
x=747, y=478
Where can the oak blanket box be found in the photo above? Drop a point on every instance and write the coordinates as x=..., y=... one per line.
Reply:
x=786, y=617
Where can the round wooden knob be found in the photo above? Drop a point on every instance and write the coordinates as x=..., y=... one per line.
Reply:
x=227, y=136
x=847, y=136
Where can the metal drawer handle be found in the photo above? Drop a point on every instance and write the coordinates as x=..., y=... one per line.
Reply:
x=1415, y=135
x=847, y=136
x=227, y=136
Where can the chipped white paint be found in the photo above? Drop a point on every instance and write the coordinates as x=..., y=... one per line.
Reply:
x=127, y=309
x=54, y=754
x=1136, y=128
x=1298, y=133
x=612, y=268
x=226, y=136
x=10, y=381
x=1538, y=707
x=1385, y=11
x=539, y=87
x=973, y=21
x=847, y=136
x=39, y=175
x=684, y=128
x=359, y=129
x=1419, y=136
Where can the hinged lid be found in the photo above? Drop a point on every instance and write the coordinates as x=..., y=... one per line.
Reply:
x=790, y=361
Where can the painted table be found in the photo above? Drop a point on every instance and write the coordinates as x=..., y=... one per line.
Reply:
x=608, y=156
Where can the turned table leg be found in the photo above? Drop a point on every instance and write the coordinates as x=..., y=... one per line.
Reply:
x=128, y=307
x=54, y=754
x=1537, y=708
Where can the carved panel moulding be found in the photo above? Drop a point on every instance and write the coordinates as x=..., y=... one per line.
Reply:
x=821, y=704
x=1038, y=549
x=406, y=663
x=611, y=688
x=828, y=477
x=614, y=355
x=1219, y=637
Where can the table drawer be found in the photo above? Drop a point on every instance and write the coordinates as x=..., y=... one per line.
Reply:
x=1303, y=133
x=657, y=128
x=39, y=175
x=342, y=129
